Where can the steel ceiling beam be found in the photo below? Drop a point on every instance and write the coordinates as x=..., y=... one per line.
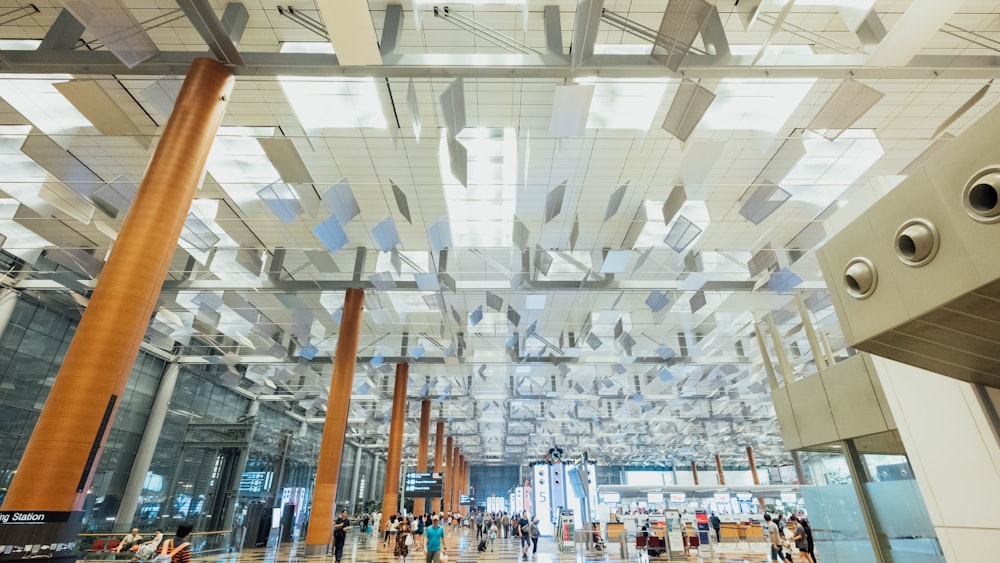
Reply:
x=176, y=63
x=211, y=29
x=311, y=286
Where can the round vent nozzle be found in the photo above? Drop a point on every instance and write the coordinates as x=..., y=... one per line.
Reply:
x=981, y=196
x=917, y=242
x=860, y=278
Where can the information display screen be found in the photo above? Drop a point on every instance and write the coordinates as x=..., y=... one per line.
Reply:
x=466, y=500
x=424, y=485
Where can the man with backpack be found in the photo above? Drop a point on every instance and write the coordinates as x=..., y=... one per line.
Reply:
x=521, y=529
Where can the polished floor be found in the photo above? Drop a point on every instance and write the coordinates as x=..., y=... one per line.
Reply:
x=461, y=548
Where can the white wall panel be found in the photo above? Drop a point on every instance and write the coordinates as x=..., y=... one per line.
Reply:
x=954, y=454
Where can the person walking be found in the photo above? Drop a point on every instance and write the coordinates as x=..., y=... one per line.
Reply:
x=493, y=533
x=717, y=526
x=403, y=541
x=418, y=534
x=774, y=537
x=435, y=540
x=522, y=532
x=533, y=533
x=390, y=531
x=800, y=540
x=505, y=525
x=340, y=528
x=809, y=537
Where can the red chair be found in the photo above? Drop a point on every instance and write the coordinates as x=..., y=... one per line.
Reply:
x=112, y=545
x=98, y=545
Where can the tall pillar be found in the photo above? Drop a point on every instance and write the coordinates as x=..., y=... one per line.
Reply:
x=58, y=463
x=694, y=471
x=461, y=484
x=800, y=473
x=438, y=448
x=423, y=444
x=355, y=482
x=372, y=477
x=756, y=478
x=449, y=474
x=394, y=458
x=147, y=447
x=718, y=467
x=456, y=457
x=8, y=300
x=338, y=406
x=465, y=482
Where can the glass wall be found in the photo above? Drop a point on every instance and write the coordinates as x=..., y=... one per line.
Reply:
x=180, y=483
x=903, y=526
x=496, y=481
x=31, y=350
x=838, y=525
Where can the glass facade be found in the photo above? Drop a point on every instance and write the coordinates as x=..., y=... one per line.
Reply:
x=498, y=481
x=217, y=458
x=834, y=511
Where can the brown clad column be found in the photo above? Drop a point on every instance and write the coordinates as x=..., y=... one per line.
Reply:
x=338, y=406
x=453, y=505
x=449, y=474
x=718, y=467
x=394, y=458
x=422, y=446
x=694, y=470
x=756, y=478
x=64, y=449
x=438, y=449
x=461, y=484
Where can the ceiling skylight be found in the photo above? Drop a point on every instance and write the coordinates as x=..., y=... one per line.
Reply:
x=830, y=167
x=482, y=215
x=331, y=103
x=624, y=105
x=38, y=100
x=762, y=105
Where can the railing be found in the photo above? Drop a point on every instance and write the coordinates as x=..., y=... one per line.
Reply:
x=103, y=546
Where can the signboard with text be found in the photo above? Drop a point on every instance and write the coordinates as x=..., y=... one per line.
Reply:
x=424, y=485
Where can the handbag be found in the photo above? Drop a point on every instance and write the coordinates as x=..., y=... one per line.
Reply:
x=165, y=557
x=408, y=541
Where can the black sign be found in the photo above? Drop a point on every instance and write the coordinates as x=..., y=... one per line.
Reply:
x=424, y=485
x=37, y=534
x=466, y=500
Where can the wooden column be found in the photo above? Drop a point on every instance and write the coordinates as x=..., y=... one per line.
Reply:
x=461, y=485
x=438, y=462
x=718, y=467
x=65, y=447
x=338, y=406
x=394, y=457
x=753, y=473
x=423, y=445
x=458, y=478
x=694, y=471
x=449, y=473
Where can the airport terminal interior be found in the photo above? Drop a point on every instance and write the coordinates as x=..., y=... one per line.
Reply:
x=634, y=267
